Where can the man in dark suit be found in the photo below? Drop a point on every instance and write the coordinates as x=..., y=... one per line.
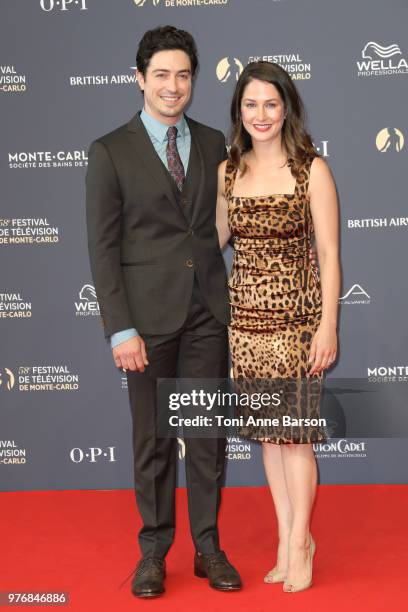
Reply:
x=160, y=279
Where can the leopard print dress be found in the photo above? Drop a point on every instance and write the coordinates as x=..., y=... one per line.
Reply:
x=276, y=305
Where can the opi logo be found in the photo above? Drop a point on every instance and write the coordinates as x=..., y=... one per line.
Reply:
x=93, y=454
x=63, y=5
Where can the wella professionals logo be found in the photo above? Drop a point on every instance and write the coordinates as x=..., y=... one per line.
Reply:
x=381, y=61
x=355, y=295
x=228, y=67
x=88, y=303
x=63, y=5
x=389, y=139
x=373, y=50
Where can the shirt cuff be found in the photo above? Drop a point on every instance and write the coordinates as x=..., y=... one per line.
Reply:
x=122, y=336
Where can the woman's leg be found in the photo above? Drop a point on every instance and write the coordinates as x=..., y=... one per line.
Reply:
x=299, y=465
x=272, y=459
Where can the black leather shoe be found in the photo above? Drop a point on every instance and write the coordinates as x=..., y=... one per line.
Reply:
x=149, y=577
x=220, y=573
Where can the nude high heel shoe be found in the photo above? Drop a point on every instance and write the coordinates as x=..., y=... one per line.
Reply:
x=302, y=586
x=274, y=576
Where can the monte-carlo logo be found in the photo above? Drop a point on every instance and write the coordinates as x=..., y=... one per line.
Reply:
x=75, y=158
x=12, y=453
x=35, y=231
x=55, y=377
x=11, y=80
x=237, y=449
x=181, y=3
x=387, y=373
x=13, y=306
x=63, y=5
x=230, y=68
x=379, y=60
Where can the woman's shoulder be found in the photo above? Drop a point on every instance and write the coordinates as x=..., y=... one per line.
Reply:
x=318, y=167
x=320, y=172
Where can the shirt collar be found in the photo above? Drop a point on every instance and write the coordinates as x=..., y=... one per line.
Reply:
x=159, y=129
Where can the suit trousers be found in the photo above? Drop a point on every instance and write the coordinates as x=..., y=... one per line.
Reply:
x=199, y=349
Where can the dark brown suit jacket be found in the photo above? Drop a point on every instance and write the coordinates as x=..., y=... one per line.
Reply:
x=146, y=239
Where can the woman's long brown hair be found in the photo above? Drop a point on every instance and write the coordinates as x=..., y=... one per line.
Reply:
x=295, y=137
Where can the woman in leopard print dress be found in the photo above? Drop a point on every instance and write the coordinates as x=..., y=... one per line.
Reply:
x=283, y=316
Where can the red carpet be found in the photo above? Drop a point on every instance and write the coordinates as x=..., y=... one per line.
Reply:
x=84, y=542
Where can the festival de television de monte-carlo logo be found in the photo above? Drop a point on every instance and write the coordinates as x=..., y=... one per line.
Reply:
x=378, y=60
x=181, y=3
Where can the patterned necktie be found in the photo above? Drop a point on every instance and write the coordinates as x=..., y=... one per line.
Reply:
x=174, y=162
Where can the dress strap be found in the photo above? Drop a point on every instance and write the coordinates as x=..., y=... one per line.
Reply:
x=230, y=175
x=302, y=181
x=302, y=186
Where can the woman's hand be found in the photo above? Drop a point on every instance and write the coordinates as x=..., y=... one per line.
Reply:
x=323, y=351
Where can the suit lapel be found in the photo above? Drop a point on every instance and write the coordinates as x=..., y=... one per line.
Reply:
x=144, y=149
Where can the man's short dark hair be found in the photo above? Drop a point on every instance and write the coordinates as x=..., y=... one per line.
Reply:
x=165, y=38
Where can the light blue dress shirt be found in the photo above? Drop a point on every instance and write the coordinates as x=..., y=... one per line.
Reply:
x=158, y=135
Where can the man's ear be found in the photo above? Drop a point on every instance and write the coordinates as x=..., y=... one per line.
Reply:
x=140, y=79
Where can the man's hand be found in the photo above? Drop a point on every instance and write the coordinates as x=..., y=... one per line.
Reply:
x=131, y=355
